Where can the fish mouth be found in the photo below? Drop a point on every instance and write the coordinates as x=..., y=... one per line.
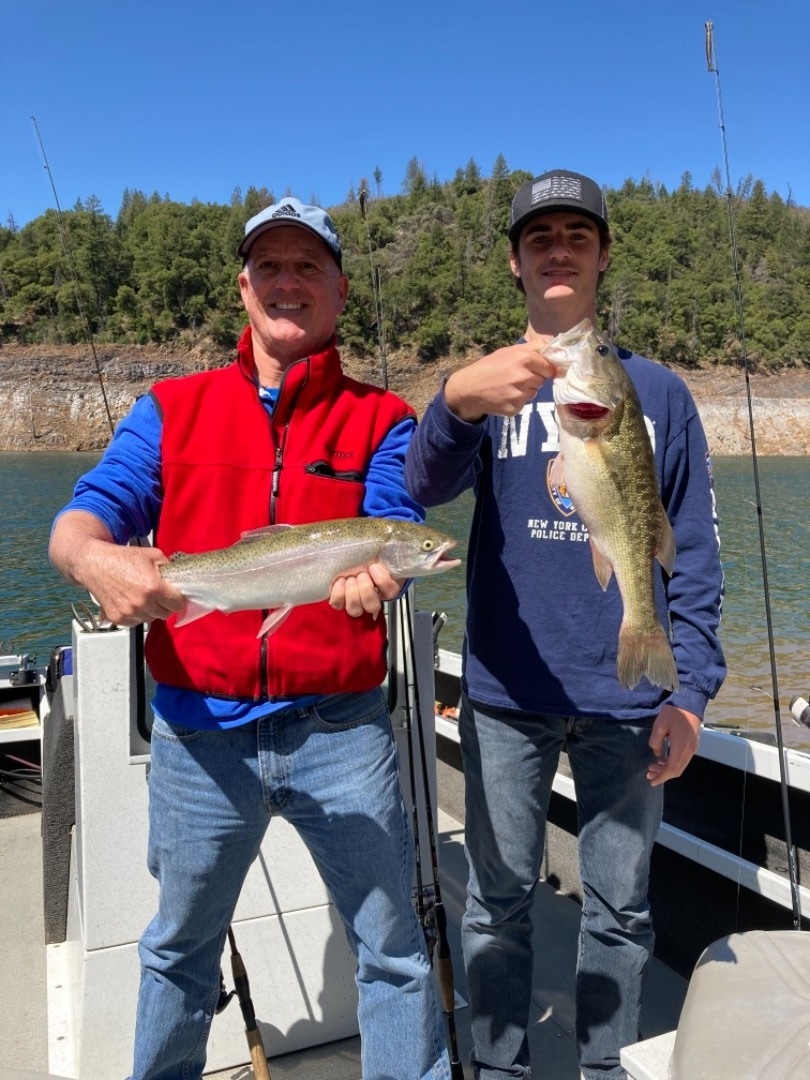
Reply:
x=439, y=562
x=587, y=410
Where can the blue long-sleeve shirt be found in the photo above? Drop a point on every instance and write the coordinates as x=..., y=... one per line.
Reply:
x=124, y=491
x=541, y=635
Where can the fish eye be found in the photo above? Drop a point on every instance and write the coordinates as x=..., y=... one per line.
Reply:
x=427, y=545
x=603, y=350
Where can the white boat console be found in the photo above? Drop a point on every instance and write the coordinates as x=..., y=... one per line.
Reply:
x=291, y=939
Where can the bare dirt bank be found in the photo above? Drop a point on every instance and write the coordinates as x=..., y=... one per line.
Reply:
x=51, y=397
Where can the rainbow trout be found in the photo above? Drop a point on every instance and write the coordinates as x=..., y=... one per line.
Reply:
x=607, y=466
x=281, y=566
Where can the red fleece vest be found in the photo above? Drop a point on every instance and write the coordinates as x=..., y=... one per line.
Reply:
x=227, y=467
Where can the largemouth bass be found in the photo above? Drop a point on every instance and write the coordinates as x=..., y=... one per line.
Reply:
x=281, y=566
x=607, y=466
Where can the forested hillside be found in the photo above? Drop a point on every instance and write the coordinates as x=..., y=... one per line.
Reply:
x=164, y=273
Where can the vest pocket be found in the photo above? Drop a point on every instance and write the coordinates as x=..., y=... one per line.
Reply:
x=323, y=468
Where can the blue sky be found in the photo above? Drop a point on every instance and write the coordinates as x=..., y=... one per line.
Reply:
x=195, y=99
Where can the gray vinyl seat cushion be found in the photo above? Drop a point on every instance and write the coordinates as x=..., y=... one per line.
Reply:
x=747, y=1010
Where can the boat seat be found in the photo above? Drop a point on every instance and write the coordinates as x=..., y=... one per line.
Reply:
x=747, y=1010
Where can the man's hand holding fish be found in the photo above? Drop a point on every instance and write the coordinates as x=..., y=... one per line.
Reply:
x=499, y=384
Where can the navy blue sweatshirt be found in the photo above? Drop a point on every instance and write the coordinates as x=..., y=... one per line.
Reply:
x=541, y=636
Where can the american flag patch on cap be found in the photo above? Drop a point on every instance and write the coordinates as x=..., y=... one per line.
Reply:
x=558, y=186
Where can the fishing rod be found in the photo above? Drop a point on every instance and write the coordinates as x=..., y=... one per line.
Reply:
x=425, y=922
x=241, y=984
x=68, y=255
x=258, y=1057
x=712, y=66
x=376, y=289
x=437, y=924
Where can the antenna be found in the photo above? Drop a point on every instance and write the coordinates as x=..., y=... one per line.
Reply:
x=375, y=285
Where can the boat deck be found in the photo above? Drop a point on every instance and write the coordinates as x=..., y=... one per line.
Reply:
x=23, y=1021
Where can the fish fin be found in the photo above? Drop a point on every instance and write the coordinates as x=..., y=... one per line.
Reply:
x=193, y=611
x=601, y=455
x=582, y=327
x=556, y=473
x=602, y=566
x=274, y=619
x=646, y=654
x=256, y=534
x=665, y=552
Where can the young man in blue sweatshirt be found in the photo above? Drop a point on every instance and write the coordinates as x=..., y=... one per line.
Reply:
x=540, y=647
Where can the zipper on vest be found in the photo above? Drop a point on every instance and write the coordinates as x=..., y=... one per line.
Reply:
x=273, y=498
x=274, y=484
x=323, y=468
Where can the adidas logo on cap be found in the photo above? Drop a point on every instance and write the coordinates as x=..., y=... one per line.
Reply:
x=286, y=211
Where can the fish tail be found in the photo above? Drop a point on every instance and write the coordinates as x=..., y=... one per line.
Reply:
x=647, y=654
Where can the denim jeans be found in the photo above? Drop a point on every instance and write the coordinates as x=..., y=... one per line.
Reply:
x=509, y=763
x=331, y=770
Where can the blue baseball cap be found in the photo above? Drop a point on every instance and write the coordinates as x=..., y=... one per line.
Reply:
x=292, y=212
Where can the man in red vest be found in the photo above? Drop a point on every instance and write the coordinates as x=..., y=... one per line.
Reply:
x=246, y=727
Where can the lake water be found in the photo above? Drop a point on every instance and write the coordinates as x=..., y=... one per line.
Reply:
x=35, y=603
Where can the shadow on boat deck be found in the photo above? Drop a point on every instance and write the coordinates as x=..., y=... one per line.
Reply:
x=23, y=1021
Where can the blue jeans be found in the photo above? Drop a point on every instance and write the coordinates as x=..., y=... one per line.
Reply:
x=509, y=763
x=331, y=770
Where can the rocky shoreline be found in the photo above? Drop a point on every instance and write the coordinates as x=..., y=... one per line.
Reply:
x=52, y=399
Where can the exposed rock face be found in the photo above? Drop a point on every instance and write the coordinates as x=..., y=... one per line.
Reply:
x=780, y=406
x=52, y=397
x=781, y=426
x=52, y=400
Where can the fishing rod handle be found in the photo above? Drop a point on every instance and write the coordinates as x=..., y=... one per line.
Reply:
x=258, y=1054
x=444, y=973
x=258, y=1057
x=240, y=981
x=452, y=1041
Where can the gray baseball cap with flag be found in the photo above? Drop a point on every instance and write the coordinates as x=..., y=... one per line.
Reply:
x=556, y=190
x=292, y=211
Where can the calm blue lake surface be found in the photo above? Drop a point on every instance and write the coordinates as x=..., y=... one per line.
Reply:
x=35, y=603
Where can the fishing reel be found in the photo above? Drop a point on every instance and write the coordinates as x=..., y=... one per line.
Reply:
x=800, y=710
x=224, y=995
x=424, y=903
